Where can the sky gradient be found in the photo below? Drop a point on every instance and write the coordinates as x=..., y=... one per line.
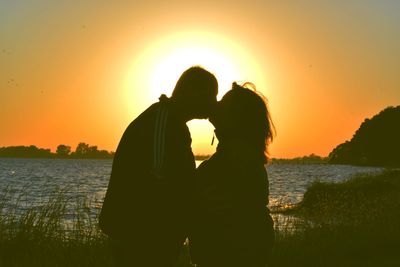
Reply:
x=72, y=72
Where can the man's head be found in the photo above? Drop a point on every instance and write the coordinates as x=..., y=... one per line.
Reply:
x=196, y=93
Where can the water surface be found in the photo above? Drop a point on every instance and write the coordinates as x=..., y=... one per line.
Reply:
x=38, y=179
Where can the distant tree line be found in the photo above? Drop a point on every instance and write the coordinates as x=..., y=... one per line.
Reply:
x=202, y=156
x=82, y=151
x=310, y=159
x=375, y=143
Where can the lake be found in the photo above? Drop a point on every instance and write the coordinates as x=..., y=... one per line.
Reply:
x=30, y=182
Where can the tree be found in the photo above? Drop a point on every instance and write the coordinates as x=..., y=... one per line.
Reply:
x=376, y=142
x=63, y=151
x=82, y=150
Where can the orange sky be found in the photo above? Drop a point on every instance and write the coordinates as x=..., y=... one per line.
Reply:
x=72, y=72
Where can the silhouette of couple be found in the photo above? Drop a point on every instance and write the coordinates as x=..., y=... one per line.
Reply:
x=156, y=198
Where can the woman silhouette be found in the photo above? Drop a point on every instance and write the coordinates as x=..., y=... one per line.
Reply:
x=232, y=225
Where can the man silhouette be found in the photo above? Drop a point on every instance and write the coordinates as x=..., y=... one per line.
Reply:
x=147, y=202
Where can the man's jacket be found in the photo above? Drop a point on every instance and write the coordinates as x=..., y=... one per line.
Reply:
x=151, y=175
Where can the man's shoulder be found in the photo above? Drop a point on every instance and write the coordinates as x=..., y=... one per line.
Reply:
x=151, y=111
x=160, y=110
x=159, y=117
x=145, y=117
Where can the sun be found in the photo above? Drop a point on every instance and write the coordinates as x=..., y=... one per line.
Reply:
x=158, y=67
x=169, y=69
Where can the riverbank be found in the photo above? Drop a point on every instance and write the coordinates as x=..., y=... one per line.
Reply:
x=353, y=223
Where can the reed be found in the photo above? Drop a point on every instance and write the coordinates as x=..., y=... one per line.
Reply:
x=354, y=223
x=49, y=235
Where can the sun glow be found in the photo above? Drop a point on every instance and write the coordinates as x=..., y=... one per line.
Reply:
x=157, y=69
x=167, y=72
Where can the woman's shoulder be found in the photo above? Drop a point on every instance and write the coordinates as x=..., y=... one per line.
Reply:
x=206, y=164
x=224, y=160
x=215, y=164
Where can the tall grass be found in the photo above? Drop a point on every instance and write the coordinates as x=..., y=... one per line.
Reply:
x=355, y=223
x=54, y=233
x=45, y=236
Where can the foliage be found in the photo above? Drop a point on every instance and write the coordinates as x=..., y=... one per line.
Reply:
x=25, y=151
x=354, y=223
x=82, y=151
x=42, y=236
x=375, y=143
x=360, y=200
x=310, y=159
x=63, y=151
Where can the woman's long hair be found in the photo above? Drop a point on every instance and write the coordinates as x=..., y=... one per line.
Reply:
x=243, y=114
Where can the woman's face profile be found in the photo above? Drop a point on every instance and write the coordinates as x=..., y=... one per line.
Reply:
x=220, y=115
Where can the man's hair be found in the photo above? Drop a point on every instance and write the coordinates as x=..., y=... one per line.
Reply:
x=193, y=80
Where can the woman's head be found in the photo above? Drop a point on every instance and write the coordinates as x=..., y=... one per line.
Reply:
x=243, y=115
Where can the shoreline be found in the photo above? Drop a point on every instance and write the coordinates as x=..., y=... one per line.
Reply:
x=338, y=226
